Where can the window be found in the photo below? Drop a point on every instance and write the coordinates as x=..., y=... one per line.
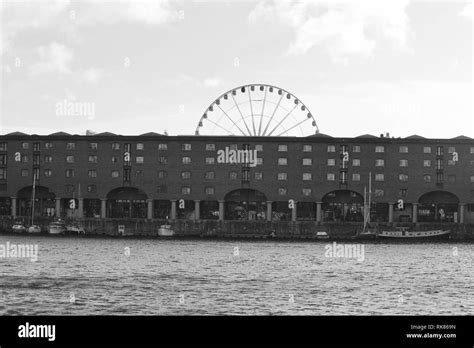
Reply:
x=48, y=145
x=451, y=149
x=92, y=173
x=306, y=192
x=282, y=148
x=356, y=162
x=472, y=179
x=403, y=177
x=282, y=176
x=259, y=160
x=452, y=178
x=427, y=178
x=379, y=162
x=356, y=148
x=232, y=175
x=426, y=163
x=307, y=161
x=210, y=160
x=233, y=147
x=186, y=147
x=331, y=148
x=451, y=163
x=3, y=146
x=3, y=159
x=380, y=149
x=307, y=148
x=355, y=177
x=186, y=160
x=282, y=161
x=185, y=175
x=92, y=159
x=25, y=146
x=36, y=146
x=71, y=146
x=3, y=173
x=115, y=146
x=402, y=192
x=70, y=159
x=439, y=150
x=115, y=173
x=140, y=146
x=379, y=177
x=379, y=193
x=471, y=150
x=69, y=173
x=162, y=189
x=282, y=191
x=162, y=174
x=403, y=163
x=24, y=158
x=36, y=159
x=162, y=160
x=91, y=188
x=162, y=146
x=210, y=147
x=185, y=190
x=138, y=173
x=439, y=164
x=439, y=178
x=258, y=176
x=24, y=172
x=209, y=190
x=259, y=147
x=307, y=176
x=331, y=177
x=139, y=159
x=92, y=146
x=69, y=188
x=403, y=149
x=426, y=149
x=210, y=175
x=331, y=162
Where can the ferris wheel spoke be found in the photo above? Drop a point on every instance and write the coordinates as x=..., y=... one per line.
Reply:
x=273, y=114
x=242, y=116
x=283, y=119
x=296, y=125
x=261, y=114
x=218, y=125
x=231, y=120
x=251, y=112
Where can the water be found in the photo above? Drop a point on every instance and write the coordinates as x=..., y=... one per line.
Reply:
x=189, y=277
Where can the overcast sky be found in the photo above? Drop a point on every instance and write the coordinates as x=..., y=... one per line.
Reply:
x=360, y=66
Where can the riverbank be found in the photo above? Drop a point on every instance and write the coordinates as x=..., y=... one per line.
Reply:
x=298, y=230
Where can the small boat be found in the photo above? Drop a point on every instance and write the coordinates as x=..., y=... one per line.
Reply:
x=404, y=233
x=75, y=229
x=34, y=229
x=322, y=235
x=18, y=227
x=165, y=230
x=57, y=227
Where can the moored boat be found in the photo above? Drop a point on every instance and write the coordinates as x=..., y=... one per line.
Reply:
x=404, y=233
x=75, y=229
x=34, y=229
x=57, y=227
x=322, y=235
x=165, y=231
x=18, y=227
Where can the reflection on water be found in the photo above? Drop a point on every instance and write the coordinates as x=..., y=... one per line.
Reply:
x=77, y=276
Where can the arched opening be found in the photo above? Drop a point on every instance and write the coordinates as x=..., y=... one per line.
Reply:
x=127, y=202
x=343, y=205
x=245, y=204
x=44, y=201
x=439, y=206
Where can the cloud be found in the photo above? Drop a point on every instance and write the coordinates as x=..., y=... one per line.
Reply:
x=342, y=28
x=91, y=75
x=467, y=11
x=55, y=58
x=212, y=82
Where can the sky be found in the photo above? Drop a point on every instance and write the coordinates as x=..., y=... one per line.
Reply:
x=132, y=67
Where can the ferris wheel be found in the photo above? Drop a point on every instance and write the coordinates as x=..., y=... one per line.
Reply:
x=257, y=110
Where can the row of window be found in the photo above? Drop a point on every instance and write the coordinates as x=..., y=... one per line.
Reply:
x=212, y=147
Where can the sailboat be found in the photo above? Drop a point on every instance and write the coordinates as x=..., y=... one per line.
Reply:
x=367, y=233
x=33, y=228
x=75, y=227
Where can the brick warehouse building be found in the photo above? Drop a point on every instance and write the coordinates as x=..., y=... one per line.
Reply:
x=156, y=176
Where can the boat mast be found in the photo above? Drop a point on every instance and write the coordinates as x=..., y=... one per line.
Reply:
x=365, y=208
x=370, y=194
x=33, y=200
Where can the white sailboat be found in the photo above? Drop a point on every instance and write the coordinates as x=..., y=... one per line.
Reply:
x=75, y=227
x=33, y=228
x=367, y=233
